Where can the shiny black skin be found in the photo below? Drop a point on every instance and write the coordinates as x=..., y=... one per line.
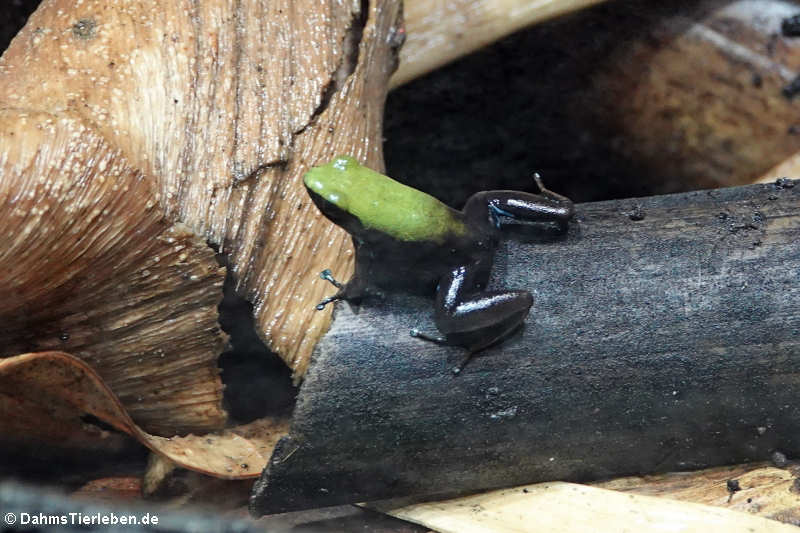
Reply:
x=457, y=269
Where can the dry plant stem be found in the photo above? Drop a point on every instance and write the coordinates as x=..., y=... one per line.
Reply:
x=225, y=103
x=441, y=31
x=694, y=92
x=663, y=336
x=91, y=266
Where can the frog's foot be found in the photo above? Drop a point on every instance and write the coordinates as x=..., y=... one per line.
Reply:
x=419, y=335
x=539, y=183
x=547, y=193
x=544, y=191
x=441, y=340
x=352, y=291
x=327, y=276
x=464, y=360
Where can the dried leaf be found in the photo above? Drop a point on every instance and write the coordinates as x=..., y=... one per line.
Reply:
x=45, y=395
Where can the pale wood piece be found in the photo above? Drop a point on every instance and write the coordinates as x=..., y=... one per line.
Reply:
x=766, y=490
x=567, y=507
x=789, y=168
x=440, y=31
x=225, y=103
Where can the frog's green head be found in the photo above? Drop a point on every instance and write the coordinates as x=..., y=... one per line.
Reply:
x=358, y=199
x=334, y=182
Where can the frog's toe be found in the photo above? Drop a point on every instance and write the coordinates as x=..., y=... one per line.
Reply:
x=321, y=305
x=328, y=276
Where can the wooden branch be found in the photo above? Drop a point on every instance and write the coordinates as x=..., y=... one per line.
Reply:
x=663, y=337
x=443, y=30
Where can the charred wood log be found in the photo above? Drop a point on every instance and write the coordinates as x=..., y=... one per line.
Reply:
x=664, y=336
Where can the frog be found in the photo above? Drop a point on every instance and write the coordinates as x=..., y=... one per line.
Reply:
x=406, y=239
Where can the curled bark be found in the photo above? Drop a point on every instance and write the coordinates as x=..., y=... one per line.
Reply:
x=91, y=266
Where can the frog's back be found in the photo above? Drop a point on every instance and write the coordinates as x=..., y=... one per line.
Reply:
x=383, y=204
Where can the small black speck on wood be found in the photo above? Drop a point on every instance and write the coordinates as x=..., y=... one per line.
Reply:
x=668, y=342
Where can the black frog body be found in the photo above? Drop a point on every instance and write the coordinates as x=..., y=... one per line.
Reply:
x=407, y=239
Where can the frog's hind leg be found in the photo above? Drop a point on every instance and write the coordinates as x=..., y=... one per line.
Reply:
x=544, y=207
x=473, y=318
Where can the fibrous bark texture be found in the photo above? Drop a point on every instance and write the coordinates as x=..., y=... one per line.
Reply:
x=663, y=337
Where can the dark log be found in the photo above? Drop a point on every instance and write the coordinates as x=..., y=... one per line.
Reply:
x=664, y=336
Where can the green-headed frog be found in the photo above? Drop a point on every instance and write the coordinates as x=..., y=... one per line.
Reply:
x=405, y=238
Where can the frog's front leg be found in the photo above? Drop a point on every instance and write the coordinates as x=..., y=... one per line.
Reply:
x=353, y=290
x=473, y=318
x=544, y=207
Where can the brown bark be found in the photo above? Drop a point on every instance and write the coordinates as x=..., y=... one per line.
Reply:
x=225, y=104
x=693, y=92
